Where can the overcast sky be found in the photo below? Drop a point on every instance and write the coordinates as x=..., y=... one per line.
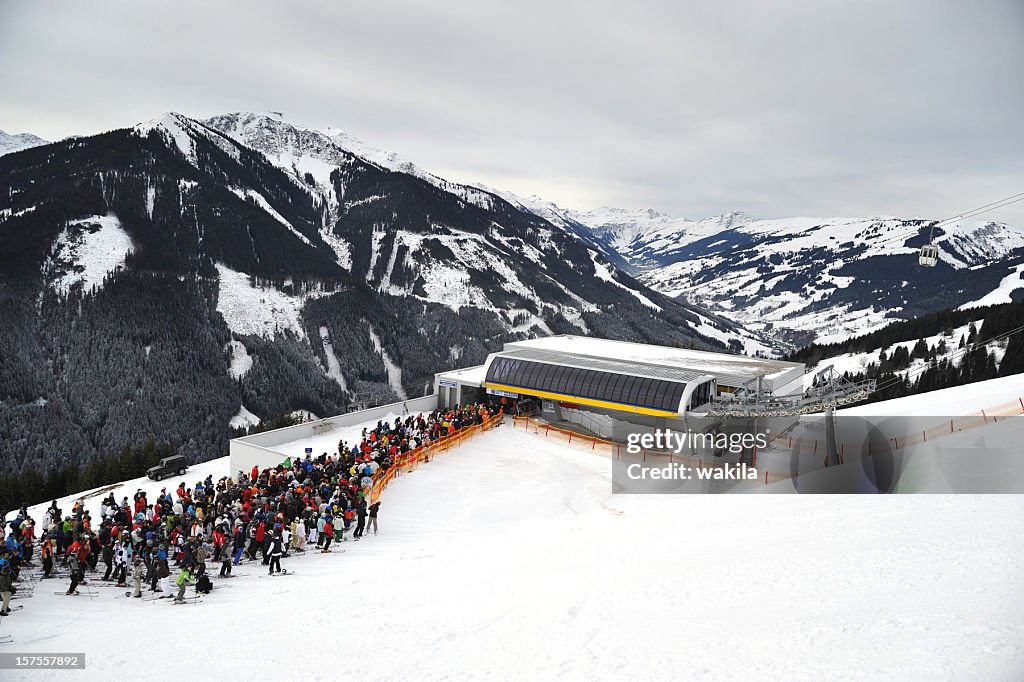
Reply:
x=692, y=108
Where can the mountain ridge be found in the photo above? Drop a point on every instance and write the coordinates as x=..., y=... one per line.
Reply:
x=165, y=280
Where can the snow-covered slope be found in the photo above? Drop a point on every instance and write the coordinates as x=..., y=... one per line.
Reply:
x=303, y=150
x=13, y=143
x=448, y=264
x=644, y=236
x=529, y=567
x=955, y=401
x=814, y=279
x=856, y=363
x=86, y=251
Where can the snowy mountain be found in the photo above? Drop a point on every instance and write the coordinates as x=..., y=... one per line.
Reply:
x=826, y=279
x=166, y=280
x=812, y=279
x=13, y=143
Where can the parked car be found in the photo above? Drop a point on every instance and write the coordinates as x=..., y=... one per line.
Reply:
x=168, y=466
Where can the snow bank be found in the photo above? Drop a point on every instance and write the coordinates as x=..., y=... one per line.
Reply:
x=955, y=401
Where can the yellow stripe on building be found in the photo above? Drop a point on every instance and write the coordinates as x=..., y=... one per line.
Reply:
x=583, y=401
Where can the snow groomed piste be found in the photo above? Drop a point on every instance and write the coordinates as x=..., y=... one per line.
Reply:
x=511, y=556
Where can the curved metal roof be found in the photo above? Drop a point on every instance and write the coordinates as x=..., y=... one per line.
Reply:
x=639, y=369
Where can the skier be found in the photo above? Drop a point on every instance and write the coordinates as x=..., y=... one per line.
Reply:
x=253, y=543
x=275, y=552
x=361, y=523
x=182, y=581
x=108, y=550
x=374, y=508
x=300, y=535
x=46, y=552
x=200, y=558
x=76, y=571
x=314, y=532
x=225, y=563
x=121, y=564
x=328, y=535
x=239, y=543
x=266, y=541
x=6, y=586
x=137, y=572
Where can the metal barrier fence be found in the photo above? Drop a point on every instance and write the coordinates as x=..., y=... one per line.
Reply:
x=812, y=446
x=620, y=451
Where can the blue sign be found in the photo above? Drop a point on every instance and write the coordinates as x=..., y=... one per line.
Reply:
x=494, y=391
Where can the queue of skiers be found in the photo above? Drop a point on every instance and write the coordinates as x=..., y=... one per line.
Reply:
x=300, y=505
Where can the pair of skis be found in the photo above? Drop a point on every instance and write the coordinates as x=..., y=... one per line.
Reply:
x=283, y=571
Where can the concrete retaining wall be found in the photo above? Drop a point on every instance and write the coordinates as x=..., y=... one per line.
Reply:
x=260, y=449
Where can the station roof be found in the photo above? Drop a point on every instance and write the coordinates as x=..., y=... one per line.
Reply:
x=467, y=375
x=569, y=359
x=664, y=362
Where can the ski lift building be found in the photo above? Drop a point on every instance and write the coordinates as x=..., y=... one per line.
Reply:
x=612, y=386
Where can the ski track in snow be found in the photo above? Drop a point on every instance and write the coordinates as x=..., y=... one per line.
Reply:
x=262, y=202
x=602, y=272
x=529, y=551
x=394, y=372
x=333, y=366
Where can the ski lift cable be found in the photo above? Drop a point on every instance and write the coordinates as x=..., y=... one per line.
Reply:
x=906, y=234
x=958, y=353
x=982, y=209
x=952, y=356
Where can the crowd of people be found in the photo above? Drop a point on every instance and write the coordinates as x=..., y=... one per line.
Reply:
x=304, y=504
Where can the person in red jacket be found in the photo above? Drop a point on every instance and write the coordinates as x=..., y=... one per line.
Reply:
x=259, y=537
x=328, y=535
x=218, y=543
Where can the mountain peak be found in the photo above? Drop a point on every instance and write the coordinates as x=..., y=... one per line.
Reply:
x=14, y=143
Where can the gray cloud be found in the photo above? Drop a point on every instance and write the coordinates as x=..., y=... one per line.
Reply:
x=785, y=108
